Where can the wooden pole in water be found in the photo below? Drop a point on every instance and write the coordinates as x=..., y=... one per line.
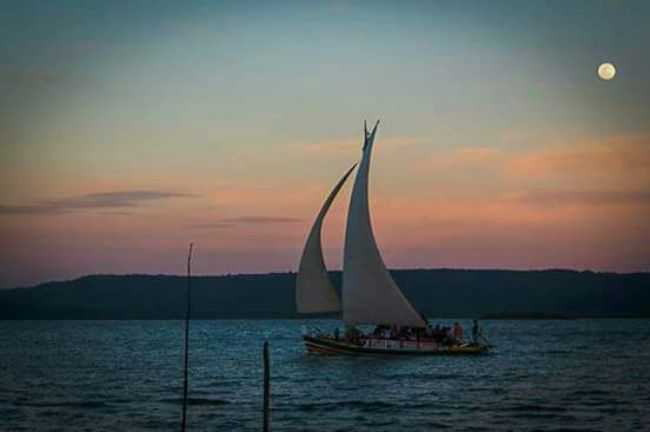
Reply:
x=187, y=334
x=267, y=388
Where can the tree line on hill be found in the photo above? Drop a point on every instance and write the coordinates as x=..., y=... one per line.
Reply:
x=436, y=293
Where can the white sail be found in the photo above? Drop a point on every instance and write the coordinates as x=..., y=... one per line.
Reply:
x=370, y=295
x=314, y=290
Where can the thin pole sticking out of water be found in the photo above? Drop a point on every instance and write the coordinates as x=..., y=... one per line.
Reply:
x=267, y=387
x=187, y=333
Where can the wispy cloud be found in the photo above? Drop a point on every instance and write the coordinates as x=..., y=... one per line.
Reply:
x=614, y=161
x=101, y=200
x=213, y=225
x=260, y=220
x=247, y=220
x=28, y=78
x=589, y=197
x=616, y=155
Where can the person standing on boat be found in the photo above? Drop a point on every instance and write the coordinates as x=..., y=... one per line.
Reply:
x=458, y=332
x=481, y=337
x=448, y=336
x=394, y=332
x=475, y=331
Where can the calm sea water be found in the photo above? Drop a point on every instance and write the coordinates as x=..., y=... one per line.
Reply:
x=126, y=375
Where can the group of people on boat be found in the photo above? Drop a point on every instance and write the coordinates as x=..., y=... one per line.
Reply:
x=440, y=334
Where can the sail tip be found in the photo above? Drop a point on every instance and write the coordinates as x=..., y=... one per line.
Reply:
x=365, y=127
x=368, y=135
x=374, y=129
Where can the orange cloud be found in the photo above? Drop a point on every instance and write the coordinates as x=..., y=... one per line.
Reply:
x=625, y=158
x=610, y=165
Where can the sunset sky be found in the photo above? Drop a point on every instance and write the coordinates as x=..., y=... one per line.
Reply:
x=129, y=129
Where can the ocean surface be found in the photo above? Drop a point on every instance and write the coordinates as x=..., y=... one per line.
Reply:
x=127, y=376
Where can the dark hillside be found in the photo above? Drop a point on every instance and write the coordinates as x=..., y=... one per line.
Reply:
x=442, y=293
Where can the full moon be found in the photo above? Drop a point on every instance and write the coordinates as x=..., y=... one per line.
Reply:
x=606, y=71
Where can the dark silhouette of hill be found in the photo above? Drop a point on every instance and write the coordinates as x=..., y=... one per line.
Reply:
x=439, y=293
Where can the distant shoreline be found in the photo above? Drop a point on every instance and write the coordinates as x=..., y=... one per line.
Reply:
x=551, y=317
x=449, y=318
x=332, y=272
x=440, y=293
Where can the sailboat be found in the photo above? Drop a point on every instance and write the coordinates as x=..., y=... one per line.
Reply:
x=369, y=294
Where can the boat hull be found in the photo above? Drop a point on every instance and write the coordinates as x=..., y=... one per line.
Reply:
x=329, y=346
